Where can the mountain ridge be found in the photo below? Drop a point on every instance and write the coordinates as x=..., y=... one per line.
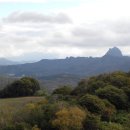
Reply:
x=80, y=66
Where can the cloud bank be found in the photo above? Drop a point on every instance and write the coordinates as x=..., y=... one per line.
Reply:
x=77, y=31
x=22, y=17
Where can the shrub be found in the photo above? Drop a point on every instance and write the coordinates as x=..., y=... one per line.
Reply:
x=92, y=122
x=41, y=93
x=111, y=126
x=69, y=119
x=109, y=111
x=65, y=90
x=115, y=95
x=92, y=103
x=35, y=128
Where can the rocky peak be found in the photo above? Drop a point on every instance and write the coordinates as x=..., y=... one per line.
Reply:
x=116, y=52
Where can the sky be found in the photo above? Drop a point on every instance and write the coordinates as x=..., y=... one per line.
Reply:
x=39, y=29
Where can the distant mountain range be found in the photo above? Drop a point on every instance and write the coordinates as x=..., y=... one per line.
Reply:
x=69, y=71
x=113, y=60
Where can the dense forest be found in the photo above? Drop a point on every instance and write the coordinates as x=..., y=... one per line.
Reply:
x=97, y=103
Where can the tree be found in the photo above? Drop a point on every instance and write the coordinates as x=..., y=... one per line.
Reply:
x=88, y=86
x=119, y=80
x=115, y=95
x=69, y=119
x=23, y=87
x=82, y=87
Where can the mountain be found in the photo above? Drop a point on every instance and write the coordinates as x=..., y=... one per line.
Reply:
x=115, y=52
x=80, y=66
x=4, y=61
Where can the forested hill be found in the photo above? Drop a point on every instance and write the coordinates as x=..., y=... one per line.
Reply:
x=113, y=60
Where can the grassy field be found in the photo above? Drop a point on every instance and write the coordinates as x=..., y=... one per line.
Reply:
x=18, y=102
x=11, y=106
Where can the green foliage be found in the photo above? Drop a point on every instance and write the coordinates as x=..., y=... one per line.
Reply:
x=97, y=103
x=92, y=122
x=114, y=95
x=98, y=106
x=119, y=79
x=81, y=89
x=93, y=86
x=88, y=86
x=24, y=87
x=122, y=118
x=112, y=126
x=92, y=103
x=41, y=114
x=127, y=91
x=18, y=126
x=41, y=93
x=109, y=111
x=65, y=90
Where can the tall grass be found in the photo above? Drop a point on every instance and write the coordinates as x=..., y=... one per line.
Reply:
x=10, y=107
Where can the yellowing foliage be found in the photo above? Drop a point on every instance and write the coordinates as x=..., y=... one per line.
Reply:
x=69, y=118
x=33, y=106
x=35, y=128
x=42, y=102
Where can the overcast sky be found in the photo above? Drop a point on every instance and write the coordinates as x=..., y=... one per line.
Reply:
x=36, y=29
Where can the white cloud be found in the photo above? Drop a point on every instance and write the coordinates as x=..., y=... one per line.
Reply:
x=97, y=25
x=61, y=40
x=34, y=17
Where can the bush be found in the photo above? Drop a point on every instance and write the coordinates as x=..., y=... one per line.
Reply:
x=122, y=118
x=92, y=122
x=65, y=90
x=18, y=126
x=115, y=95
x=112, y=126
x=41, y=93
x=35, y=128
x=69, y=119
x=127, y=91
x=109, y=111
x=92, y=103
